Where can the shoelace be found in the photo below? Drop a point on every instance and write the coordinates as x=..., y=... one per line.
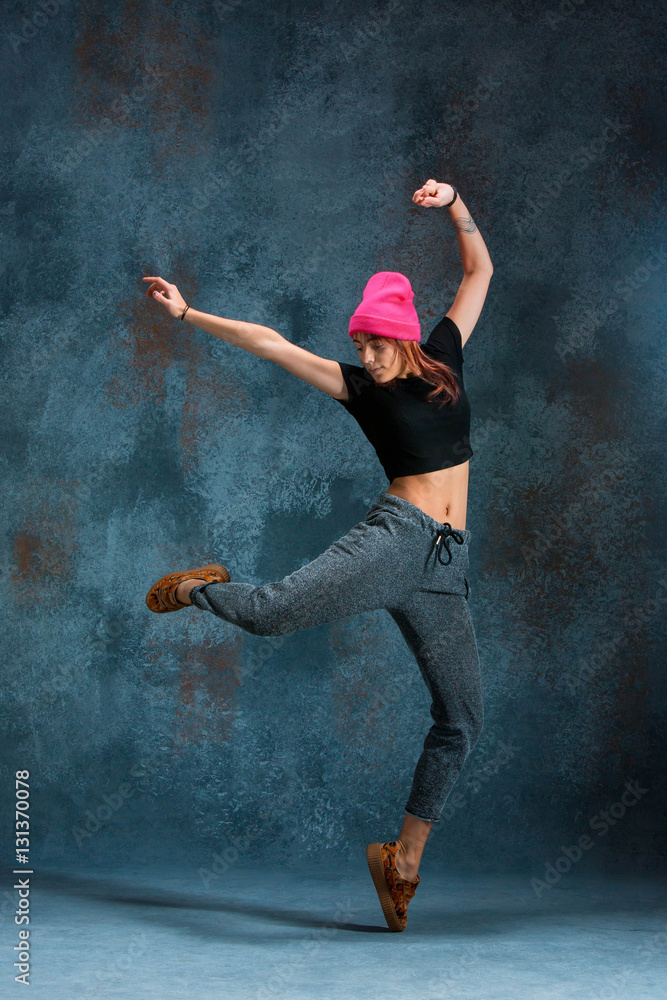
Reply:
x=444, y=536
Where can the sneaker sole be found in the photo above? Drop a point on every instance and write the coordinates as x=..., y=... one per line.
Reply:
x=376, y=868
x=212, y=573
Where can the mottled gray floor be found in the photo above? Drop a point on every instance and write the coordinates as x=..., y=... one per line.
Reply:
x=258, y=933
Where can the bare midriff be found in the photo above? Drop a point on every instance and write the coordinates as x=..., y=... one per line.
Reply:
x=443, y=495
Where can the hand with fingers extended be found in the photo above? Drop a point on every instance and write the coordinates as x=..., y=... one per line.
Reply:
x=433, y=194
x=167, y=295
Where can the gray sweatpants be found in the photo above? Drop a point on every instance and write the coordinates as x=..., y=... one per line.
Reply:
x=392, y=560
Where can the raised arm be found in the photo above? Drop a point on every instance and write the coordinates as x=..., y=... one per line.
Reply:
x=259, y=340
x=477, y=266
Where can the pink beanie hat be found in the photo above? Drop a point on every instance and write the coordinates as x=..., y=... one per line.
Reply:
x=386, y=309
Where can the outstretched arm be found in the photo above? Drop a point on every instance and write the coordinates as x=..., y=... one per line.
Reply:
x=477, y=265
x=259, y=340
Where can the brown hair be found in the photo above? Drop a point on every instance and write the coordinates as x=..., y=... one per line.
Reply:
x=418, y=363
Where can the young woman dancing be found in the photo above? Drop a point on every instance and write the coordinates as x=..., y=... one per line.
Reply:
x=409, y=555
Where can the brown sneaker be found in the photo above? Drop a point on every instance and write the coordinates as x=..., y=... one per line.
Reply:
x=395, y=892
x=162, y=595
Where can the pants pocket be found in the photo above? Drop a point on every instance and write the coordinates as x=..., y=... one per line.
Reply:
x=440, y=579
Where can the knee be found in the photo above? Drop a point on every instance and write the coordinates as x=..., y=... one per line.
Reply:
x=460, y=732
x=468, y=729
x=262, y=616
x=266, y=622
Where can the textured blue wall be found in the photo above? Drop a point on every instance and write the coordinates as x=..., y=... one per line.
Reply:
x=263, y=157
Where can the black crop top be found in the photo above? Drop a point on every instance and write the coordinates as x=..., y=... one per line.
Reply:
x=410, y=434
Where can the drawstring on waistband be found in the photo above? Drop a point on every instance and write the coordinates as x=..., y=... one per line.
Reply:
x=445, y=534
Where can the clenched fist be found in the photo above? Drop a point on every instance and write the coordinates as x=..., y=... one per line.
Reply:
x=433, y=194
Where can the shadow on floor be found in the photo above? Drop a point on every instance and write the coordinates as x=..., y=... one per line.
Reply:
x=114, y=890
x=453, y=916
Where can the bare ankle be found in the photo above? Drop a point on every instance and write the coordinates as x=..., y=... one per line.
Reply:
x=182, y=594
x=407, y=863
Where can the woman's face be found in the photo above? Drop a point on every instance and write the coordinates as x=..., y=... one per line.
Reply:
x=378, y=355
